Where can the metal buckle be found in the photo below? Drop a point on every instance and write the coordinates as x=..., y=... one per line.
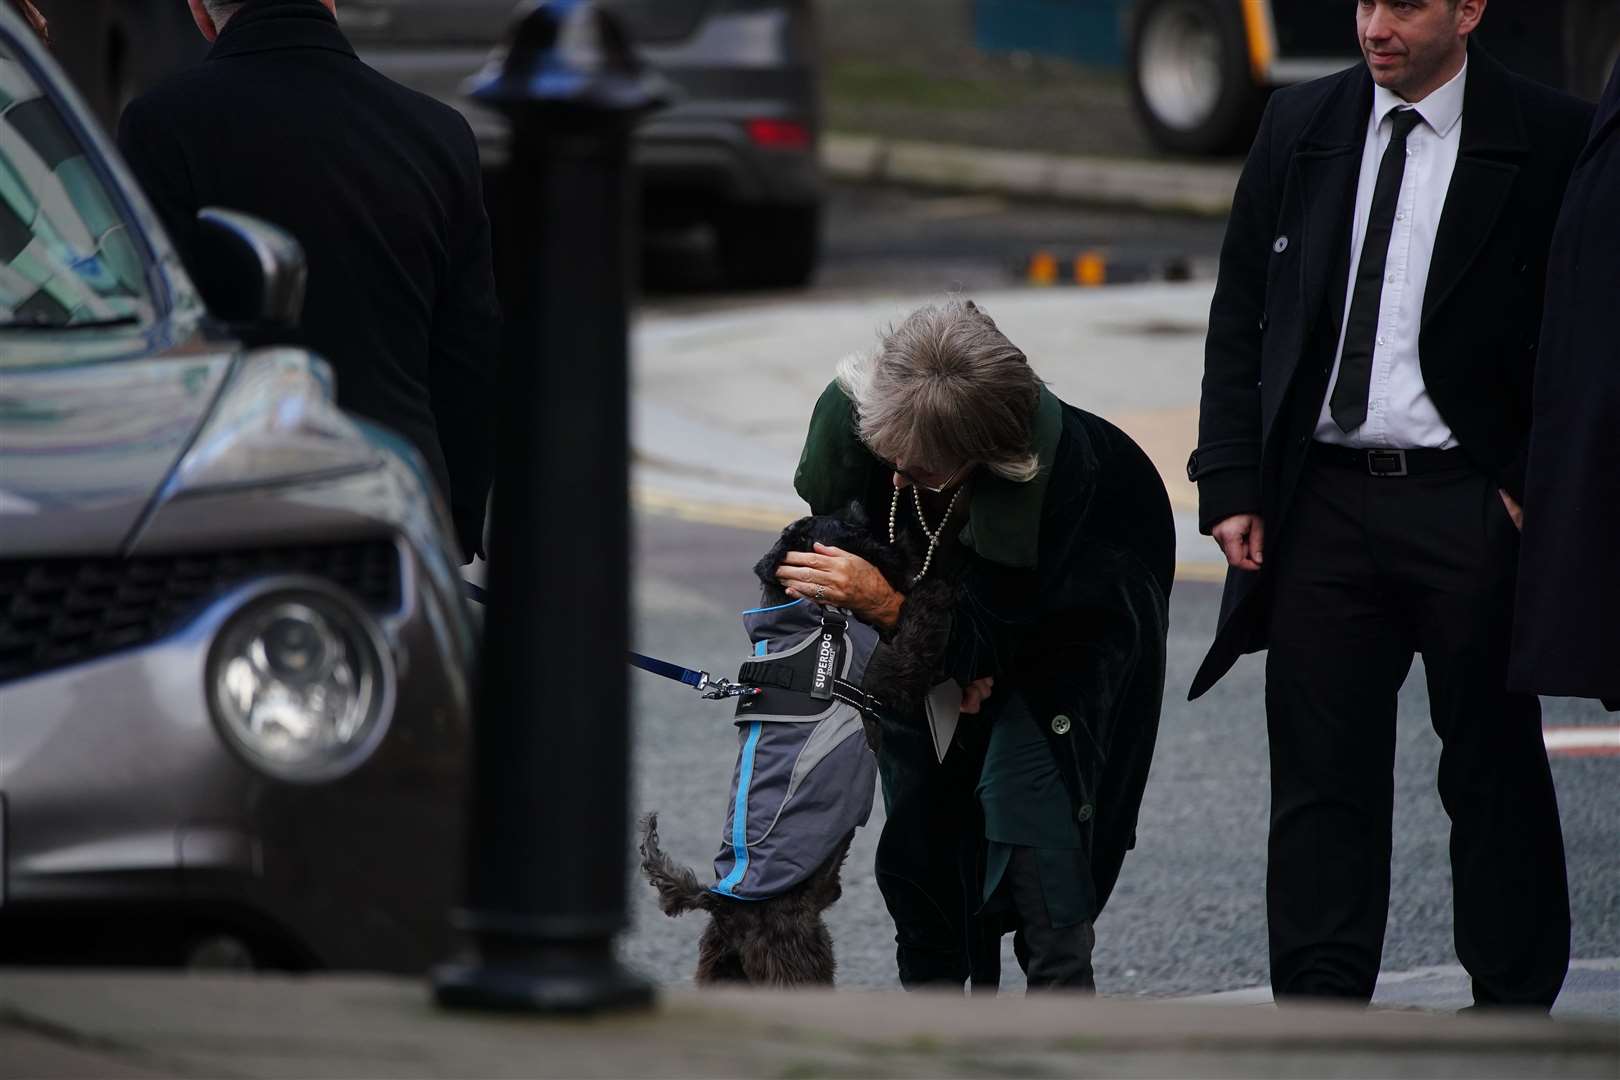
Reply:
x=1386, y=462
x=720, y=689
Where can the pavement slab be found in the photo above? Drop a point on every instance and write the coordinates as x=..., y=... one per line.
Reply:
x=1177, y=187
x=1591, y=990
x=334, y=1026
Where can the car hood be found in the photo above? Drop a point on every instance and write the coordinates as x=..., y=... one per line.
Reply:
x=85, y=447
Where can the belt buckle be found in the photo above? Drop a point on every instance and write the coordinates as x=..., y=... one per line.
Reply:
x=1386, y=462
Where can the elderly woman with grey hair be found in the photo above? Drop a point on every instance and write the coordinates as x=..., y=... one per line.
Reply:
x=1044, y=552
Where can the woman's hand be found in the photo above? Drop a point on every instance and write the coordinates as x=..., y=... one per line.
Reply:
x=975, y=693
x=830, y=575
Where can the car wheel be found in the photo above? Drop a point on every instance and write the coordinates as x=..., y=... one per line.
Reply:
x=769, y=247
x=1190, y=75
x=1594, y=47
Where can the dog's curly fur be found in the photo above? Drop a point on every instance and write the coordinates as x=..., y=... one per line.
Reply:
x=784, y=941
x=903, y=667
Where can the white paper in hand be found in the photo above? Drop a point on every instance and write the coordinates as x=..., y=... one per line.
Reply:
x=944, y=710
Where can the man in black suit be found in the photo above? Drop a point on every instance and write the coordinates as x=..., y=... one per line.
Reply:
x=1361, y=458
x=381, y=186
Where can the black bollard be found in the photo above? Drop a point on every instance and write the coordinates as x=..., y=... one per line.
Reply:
x=549, y=831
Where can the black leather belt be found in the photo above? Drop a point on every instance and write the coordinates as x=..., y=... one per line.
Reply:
x=1388, y=462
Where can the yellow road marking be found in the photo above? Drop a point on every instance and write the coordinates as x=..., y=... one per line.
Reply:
x=756, y=518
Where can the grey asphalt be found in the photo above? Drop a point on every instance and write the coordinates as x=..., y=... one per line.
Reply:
x=889, y=239
x=1188, y=916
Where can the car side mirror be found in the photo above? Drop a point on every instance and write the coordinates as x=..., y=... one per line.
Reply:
x=251, y=273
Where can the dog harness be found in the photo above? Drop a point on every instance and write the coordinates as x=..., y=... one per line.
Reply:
x=805, y=776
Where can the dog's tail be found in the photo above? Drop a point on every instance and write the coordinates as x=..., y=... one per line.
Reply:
x=678, y=887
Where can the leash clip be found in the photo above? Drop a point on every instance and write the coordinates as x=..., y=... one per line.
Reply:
x=721, y=689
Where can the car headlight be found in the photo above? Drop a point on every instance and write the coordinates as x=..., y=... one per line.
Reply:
x=301, y=684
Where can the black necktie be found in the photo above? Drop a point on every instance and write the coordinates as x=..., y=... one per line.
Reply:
x=1349, y=401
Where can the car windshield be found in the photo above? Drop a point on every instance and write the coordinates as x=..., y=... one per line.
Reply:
x=67, y=255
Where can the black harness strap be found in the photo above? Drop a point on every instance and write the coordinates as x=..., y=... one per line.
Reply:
x=769, y=673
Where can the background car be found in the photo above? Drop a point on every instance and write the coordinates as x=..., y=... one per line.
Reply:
x=1199, y=70
x=234, y=653
x=736, y=152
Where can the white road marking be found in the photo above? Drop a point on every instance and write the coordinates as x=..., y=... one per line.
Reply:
x=1583, y=741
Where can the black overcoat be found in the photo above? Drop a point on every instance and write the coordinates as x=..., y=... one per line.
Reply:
x=1567, y=627
x=382, y=187
x=1063, y=599
x=1274, y=322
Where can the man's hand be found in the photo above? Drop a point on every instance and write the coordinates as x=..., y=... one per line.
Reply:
x=1242, y=538
x=975, y=693
x=831, y=575
x=1515, y=511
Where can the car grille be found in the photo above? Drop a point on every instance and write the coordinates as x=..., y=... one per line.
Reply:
x=56, y=612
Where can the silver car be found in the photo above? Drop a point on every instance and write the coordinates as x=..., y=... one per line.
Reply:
x=738, y=151
x=234, y=653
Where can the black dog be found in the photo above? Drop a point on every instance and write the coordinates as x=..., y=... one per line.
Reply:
x=783, y=940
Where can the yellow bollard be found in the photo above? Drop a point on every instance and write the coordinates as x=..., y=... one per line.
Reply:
x=1090, y=269
x=1043, y=268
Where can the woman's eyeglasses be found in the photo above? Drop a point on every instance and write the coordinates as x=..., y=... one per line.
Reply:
x=935, y=488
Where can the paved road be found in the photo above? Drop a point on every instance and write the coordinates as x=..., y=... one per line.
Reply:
x=884, y=241
x=1188, y=914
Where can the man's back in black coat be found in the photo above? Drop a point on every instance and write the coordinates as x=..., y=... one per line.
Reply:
x=382, y=187
x=1567, y=627
x=1274, y=323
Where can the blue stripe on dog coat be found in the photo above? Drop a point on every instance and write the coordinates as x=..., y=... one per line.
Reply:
x=805, y=776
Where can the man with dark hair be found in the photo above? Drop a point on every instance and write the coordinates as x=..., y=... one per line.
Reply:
x=1361, y=461
x=381, y=186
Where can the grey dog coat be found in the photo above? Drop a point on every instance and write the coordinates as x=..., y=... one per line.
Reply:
x=805, y=776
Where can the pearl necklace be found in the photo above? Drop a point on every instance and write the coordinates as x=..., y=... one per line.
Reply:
x=932, y=534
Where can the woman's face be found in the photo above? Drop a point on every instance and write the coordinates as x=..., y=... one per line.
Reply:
x=934, y=480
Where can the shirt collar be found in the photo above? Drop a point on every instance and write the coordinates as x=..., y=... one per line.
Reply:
x=1441, y=110
x=272, y=25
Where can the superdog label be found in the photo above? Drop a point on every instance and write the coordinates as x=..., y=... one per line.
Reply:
x=821, y=687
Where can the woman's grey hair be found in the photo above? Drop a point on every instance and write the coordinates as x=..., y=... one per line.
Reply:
x=946, y=389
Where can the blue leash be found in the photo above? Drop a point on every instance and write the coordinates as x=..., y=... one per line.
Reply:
x=694, y=679
x=713, y=689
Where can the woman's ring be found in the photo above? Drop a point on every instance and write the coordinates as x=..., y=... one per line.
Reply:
x=821, y=593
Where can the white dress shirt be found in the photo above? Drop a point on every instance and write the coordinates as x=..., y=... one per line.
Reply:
x=1400, y=413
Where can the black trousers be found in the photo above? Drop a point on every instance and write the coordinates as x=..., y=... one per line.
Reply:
x=927, y=857
x=1373, y=570
x=1052, y=957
